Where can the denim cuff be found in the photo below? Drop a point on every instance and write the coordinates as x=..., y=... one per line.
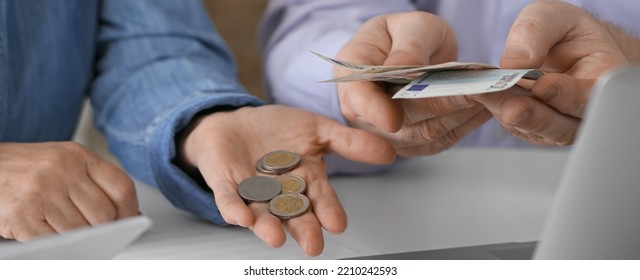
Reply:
x=182, y=190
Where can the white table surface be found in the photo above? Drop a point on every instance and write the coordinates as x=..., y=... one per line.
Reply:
x=460, y=197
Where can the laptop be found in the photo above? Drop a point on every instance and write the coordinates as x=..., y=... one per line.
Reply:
x=98, y=242
x=596, y=207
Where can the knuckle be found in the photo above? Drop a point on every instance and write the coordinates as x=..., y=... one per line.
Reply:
x=529, y=25
x=530, y=15
x=420, y=135
x=441, y=106
x=345, y=106
x=70, y=145
x=7, y=224
x=123, y=189
x=55, y=157
x=34, y=186
x=452, y=137
x=567, y=138
x=429, y=131
x=542, y=125
x=103, y=214
x=47, y=162
x=76, y=149
x=6, y=233
x=25, y=235
x=446, y=141
x=22, y=232
x=516, y=113
x=437, y=148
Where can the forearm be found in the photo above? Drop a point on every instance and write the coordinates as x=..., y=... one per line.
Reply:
x=161, y=63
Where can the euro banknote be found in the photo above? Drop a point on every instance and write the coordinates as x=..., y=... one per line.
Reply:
x=446, y=79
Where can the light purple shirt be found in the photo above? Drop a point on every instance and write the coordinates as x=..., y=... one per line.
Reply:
x=292, y=27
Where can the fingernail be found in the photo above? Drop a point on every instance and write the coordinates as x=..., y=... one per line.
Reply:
x=522, y=119
x=517, y=52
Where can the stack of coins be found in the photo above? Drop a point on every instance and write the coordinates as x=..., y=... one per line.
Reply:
x=278, y=162
x=284, y=193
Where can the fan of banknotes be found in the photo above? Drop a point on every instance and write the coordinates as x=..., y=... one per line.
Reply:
x=446, y=79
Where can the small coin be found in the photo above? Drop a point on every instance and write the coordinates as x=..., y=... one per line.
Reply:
x=292, y=183
x=259, y=188
x=289, y=205
x=279, y=161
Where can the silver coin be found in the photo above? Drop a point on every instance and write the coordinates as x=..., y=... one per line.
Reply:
x=289, y=205
x=279, y=161
x=292, y=183
x=259, y=188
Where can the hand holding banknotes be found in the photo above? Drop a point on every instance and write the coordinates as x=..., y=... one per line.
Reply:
x=573, y=48
x=225, y=146
x=415, y=127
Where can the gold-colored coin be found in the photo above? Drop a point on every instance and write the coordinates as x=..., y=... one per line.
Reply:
x=292, y=183
x=280, y=161
x=289, y=205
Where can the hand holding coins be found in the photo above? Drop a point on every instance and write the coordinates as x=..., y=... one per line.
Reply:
x=225, y=146
x=284, y=193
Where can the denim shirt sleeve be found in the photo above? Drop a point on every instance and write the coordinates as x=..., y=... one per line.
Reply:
x=160, y=62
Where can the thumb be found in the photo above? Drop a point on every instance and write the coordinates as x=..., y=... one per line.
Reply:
x=355, y=144
x=420, y=38
x=536, y=30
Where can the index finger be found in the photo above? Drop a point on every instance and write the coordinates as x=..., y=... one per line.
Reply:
x=117, y=186
x=566, y=94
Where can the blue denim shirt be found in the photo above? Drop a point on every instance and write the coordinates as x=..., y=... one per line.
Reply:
x=148, y=66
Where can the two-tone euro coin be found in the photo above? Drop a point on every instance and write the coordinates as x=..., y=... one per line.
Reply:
x=278, y=162
x=259, y=188
x=292, y=183
x=289, y=205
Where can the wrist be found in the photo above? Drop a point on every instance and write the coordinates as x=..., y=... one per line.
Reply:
x=187, y=144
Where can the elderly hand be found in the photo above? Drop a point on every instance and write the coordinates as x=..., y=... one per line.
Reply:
x=414, y=127
x=573, y=48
